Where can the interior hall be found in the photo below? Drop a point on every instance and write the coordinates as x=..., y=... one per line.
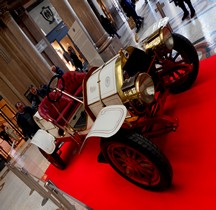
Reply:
x=36, y=35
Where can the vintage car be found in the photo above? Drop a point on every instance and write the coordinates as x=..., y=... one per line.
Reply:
x=122, y=103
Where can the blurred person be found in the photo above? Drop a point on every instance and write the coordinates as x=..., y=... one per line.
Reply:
x=181, y=3
x=43, y=90
x=5, y=136
x=108, y=26
x=67, y=56
x=36, y=96
x=130, y=11
x=11, y=133
x=75, y=60
x=57, y=70
x=25, y=120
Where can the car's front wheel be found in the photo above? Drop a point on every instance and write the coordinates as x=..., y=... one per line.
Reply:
x=138, y=160
x=54, y=159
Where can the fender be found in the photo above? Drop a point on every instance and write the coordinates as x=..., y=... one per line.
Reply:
x=44, y=141
x=108, y=121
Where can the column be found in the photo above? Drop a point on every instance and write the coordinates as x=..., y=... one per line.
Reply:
x=37, y=64
x=21, y=64
x=91, y=23
x=80, y=11
x=65, y=11
x=35, y=32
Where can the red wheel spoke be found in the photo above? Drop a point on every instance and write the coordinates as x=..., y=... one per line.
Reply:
x=133, y=164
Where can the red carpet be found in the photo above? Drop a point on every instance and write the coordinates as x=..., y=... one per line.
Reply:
x=191, y=151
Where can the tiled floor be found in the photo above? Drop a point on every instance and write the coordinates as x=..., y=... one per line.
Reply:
x=14, y=194
x=200, y=30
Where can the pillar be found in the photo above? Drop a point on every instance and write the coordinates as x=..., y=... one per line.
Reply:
x=35, y=32
x=80, y=10
x=65, y=11
x=38, y=66
x=21, y=64
x=91, y=23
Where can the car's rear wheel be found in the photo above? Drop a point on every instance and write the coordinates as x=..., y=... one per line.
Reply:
x=54, y=159
x=181, y=66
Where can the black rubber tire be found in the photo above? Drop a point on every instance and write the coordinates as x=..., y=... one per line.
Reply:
x=188, y=54
x=54, y=159
x=131, y=155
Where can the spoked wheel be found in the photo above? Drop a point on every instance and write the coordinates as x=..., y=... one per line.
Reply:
x=138, y=160
x=55, y=88
x=54, y=159
x=180, y=67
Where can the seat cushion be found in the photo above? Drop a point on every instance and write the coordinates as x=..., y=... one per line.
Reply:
x=72, y=82
x=61, y=111
x=56, y=112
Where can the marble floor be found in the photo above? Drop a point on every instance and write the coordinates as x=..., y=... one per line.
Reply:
x=14, y=194
x=200, y=30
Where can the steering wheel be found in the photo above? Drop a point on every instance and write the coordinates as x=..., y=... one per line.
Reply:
x=55, y=88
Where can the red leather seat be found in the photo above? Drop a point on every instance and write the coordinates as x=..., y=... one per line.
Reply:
x=61, y=111
x=72, y=82
x=57, y=112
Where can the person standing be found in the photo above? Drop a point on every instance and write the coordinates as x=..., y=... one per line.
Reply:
x=181, y=3
x=108, y=26
x=130, y=11
x=76, y=61
x=57, y=70
x=11, y=133
x=5, y=136
x=36, y=96
x=25, y=120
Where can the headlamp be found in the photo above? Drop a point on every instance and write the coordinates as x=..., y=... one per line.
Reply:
x=140, y=87
x=160, y=39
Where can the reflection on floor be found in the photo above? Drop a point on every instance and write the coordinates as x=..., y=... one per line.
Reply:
x=200, y=30
x=14, y=194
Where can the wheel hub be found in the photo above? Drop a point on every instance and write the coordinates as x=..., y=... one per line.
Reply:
x=133, y=164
